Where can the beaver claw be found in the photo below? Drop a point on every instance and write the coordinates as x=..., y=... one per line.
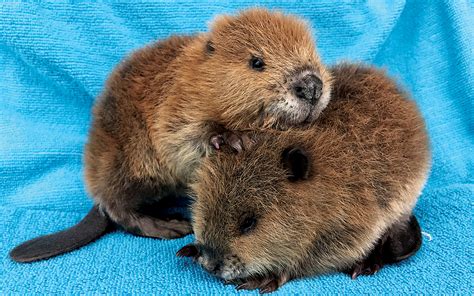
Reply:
x=368, y=266
x=238, y=141
x=217, y=141
x=364, y=268
x=265, y=285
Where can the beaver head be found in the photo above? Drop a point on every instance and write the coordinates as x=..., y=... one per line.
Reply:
x=265, y=70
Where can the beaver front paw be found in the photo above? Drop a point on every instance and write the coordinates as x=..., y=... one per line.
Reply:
x=264, y=284
x=364, y=268
x=217, y=141
x=239, y=141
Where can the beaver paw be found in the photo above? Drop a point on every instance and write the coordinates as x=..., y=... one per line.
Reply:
x=217, y=141
x=366, y=267
x=265, y=285
x=157, y=228
x=238, y=141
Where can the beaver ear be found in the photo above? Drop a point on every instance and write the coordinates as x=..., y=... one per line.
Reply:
x=295, y=160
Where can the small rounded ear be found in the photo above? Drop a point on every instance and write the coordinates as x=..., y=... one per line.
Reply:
x=295, y=160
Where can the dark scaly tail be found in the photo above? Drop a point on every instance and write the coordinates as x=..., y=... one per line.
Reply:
x=93, y=226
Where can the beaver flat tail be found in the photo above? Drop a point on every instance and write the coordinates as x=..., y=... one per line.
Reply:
x=93, y=226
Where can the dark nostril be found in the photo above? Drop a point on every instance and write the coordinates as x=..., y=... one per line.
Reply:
x=188, y=251
x=216, y=268
x=299, y=91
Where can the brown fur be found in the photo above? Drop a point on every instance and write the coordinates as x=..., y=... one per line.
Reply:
x=369, y=159
x=153, y=122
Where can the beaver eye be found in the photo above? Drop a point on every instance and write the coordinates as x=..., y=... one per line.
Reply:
x=210, y=47
x=257, y=64
x=248, y=224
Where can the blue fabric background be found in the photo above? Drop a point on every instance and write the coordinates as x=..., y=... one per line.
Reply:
x=54, y=59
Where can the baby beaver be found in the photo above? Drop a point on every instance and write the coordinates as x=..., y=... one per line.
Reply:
x=337, y=196
x=160, y=107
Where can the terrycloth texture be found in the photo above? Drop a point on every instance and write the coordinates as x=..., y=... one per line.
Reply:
x=55, y=58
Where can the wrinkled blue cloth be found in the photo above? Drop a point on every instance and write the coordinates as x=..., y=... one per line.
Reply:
x=54, y=59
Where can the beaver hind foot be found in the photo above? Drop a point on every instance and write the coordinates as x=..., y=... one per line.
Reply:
x=148, y=226
x=400, y=242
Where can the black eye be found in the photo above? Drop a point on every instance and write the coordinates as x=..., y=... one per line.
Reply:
x=248, y=224
x=210, y=47
x=257, y=64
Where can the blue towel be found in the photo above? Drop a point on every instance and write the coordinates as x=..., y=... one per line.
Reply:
x=54, y=59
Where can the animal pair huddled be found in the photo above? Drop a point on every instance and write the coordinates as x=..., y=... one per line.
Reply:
x=329, y=162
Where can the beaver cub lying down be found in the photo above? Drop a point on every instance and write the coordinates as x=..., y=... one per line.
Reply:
x=337, y=196
x=153, y=122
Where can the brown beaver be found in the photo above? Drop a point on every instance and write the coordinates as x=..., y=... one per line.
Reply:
x=337, y=196
x=152, y=123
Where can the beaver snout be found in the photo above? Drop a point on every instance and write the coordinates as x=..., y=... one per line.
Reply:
x=308, y=88
x=218, y=263
x=206, y=257
x=211, y=263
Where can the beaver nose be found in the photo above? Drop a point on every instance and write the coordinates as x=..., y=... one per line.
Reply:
x=308, y=88
x=212, y=264
x=209, y=258
x=215, y=267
